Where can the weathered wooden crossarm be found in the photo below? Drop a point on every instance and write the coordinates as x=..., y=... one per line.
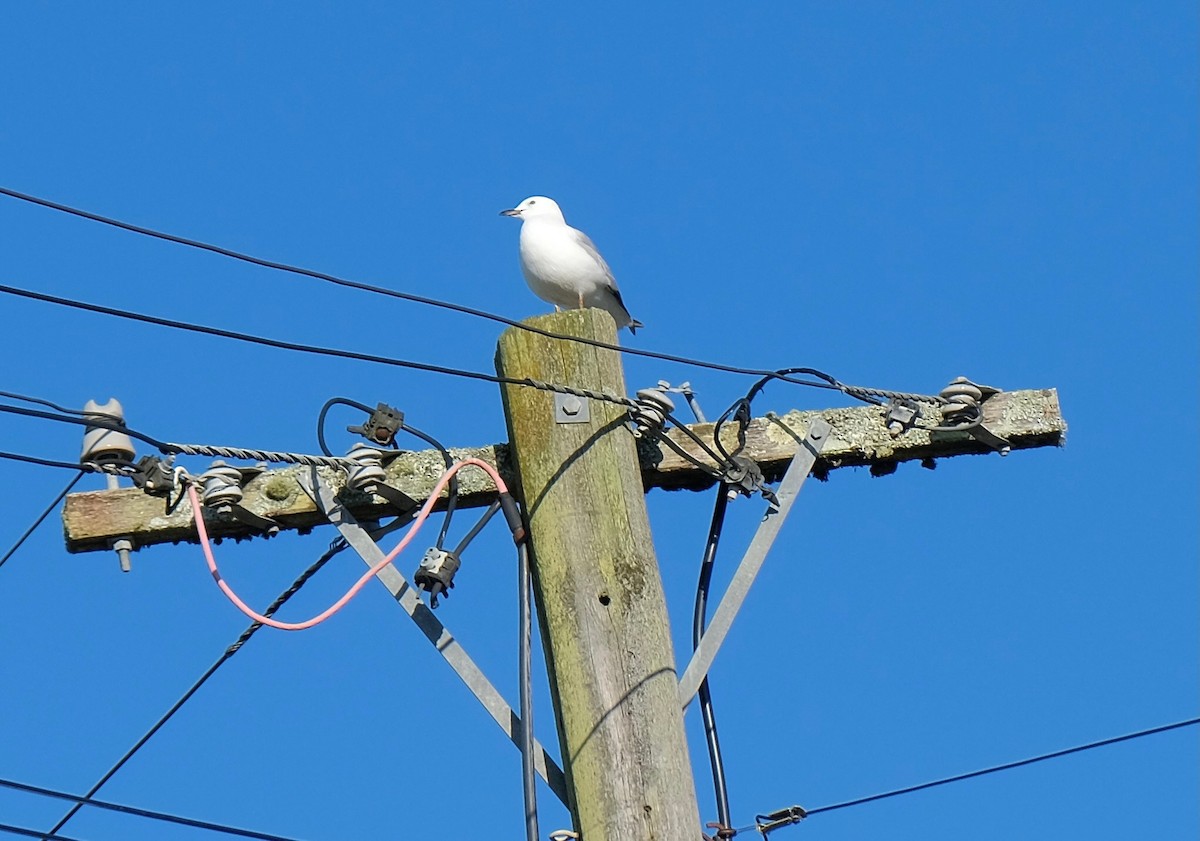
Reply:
x=860, y=438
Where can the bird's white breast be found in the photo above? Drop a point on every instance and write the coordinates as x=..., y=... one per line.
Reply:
x=556, y=267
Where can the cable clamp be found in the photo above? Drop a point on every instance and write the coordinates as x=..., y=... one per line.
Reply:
x=743, y=476
x=964, y=409
x=435, y=575
x=154, y=475
x=382, y=426
x=564, y=835
x=368, y=476
x=902, y=416
x=653, y=406
x=221, y=490
x=723, y=833
x=774, y=820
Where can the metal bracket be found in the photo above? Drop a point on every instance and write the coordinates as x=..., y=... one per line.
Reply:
x=437, y=634
x=802, y=464
x=571, y=409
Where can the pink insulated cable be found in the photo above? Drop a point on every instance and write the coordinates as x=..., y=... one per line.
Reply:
x=206, y=545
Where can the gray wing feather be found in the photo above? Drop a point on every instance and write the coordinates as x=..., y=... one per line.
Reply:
x=585, y=242
x=590, y=247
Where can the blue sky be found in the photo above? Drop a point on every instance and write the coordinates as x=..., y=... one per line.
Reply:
x=895, y=193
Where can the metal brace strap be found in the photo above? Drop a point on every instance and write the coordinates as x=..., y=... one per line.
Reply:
x=437, y=634
x=752, y=561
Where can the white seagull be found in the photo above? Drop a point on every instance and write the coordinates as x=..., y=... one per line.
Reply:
x=562, y=265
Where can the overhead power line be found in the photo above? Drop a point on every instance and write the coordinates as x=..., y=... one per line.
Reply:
x=33, y=527
x=236, y=646
x=139, y=812
x=798, y=813
x=25, y=832
x=313, y=349
x=393, y=293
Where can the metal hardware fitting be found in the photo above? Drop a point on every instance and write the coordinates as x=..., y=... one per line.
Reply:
x=782, y=817
x=690, y=396
x=221, y=490
x=564, y=835
x=652, y=410
x=743, y=476
x=901, y=415
x=382, y=426
x=568, y=408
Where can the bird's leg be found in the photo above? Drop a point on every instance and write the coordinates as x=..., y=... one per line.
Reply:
x=581, y=300
x=557, y=308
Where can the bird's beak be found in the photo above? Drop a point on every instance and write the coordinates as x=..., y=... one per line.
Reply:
x=511, y=212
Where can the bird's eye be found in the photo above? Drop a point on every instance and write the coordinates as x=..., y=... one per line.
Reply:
x=532, y=203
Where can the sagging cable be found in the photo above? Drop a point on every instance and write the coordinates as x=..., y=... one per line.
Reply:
x=426, y=509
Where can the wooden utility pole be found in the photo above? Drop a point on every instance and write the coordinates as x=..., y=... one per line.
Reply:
x=599, y=592
x=600, y=597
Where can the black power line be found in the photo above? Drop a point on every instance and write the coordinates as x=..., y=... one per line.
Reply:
x=33, y=527
x=335, y=547
x=313, y=349
x=137, y=812
x=380, y=290
x=33, y=833
x=797, y=813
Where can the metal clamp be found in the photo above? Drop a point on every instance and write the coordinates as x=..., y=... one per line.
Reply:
x=382, y=426
x=782, y=817
x=435, y=575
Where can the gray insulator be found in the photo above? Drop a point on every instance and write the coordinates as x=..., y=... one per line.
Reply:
x=222, y=485
x=961, y=394
x=105, y=445
x=368, y=471
x=653, y=405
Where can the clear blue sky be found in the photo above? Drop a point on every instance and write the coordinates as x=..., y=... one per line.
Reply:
x=898, y=194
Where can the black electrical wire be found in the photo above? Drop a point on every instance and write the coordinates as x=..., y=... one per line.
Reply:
x=1007, y=766
x=41, y=517
x=25, y=399
x=303, y=348
x=334, y=548
x=452, y=486
x=392, y=293
x=699, y=622
x=525, y=676
x=33, y=833
x=161, y=446
x=141, y=813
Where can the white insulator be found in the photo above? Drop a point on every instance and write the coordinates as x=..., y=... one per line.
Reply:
x=105, y=445
x=368, y=470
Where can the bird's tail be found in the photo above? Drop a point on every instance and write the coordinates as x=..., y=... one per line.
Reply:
x=634, y=324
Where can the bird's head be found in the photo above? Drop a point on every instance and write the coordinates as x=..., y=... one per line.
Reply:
x=536, y=207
